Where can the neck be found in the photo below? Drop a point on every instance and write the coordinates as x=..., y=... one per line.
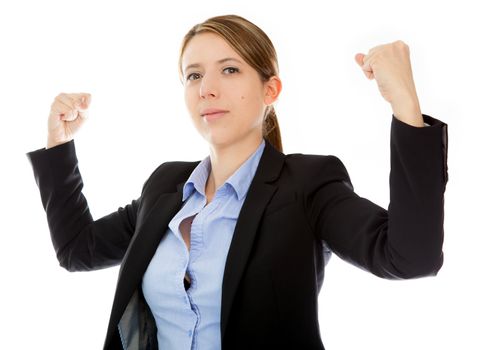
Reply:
x=225, y=160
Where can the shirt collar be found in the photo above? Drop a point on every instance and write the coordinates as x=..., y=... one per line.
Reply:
x=240, y=180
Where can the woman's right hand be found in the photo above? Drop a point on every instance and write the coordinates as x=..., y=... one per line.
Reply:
x=68, y=113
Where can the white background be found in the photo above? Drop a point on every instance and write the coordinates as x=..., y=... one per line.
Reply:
x=125, y=54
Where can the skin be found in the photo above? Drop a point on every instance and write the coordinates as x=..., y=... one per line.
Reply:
x=68, y=113
x=231, y=85
x=390, y=66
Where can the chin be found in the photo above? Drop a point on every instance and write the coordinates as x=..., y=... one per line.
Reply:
x=219, y=140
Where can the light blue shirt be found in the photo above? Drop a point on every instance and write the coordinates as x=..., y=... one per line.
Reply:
x=191, y=319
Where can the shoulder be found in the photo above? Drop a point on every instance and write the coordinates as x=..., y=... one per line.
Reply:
x=309, y=166
x=315, y=177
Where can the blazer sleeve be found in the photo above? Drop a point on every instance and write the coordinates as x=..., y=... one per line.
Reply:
x=80, y=242
x=404, y=241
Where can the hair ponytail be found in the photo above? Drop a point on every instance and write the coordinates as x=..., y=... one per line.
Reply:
x=271, y=129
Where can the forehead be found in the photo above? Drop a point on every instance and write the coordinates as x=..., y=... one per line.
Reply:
x=207, y=48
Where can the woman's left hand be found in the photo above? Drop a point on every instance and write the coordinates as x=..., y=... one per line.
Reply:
x=390, y=66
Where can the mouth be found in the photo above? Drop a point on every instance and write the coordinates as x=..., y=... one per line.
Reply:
x=211, y=114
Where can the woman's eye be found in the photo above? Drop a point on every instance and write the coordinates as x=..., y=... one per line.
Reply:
x=193, y=76
x=231, y=70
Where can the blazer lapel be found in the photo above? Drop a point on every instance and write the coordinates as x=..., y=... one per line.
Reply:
x=141, y=250
x=259, y=194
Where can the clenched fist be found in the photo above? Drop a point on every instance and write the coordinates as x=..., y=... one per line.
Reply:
x=68, y=113
x=390, y=66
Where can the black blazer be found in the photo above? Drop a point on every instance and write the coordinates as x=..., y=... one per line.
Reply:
x=296, y=206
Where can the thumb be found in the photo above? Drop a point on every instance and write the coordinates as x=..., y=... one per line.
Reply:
x=359, y=58
x=367, y=70
x=82, y=105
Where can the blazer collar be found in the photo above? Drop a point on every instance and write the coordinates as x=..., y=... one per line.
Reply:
x=148, y=235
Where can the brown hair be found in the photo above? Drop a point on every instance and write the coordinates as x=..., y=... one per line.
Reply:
x=255, y=47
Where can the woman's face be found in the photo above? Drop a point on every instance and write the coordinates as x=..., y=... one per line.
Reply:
x=224, y=95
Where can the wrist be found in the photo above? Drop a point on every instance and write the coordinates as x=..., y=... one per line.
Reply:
x=52, y=143
x=407, y=110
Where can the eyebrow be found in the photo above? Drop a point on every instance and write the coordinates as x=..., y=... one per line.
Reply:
x=221, y=61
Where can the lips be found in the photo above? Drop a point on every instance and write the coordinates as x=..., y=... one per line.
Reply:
x=211, y=111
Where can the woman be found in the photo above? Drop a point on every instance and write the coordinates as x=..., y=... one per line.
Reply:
x=229, y=252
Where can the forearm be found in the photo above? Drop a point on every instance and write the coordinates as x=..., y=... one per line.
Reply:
x=418, y=178
x=57, y=176
x=407, y=109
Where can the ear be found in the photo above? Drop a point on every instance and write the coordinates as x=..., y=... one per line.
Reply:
x=272, y=89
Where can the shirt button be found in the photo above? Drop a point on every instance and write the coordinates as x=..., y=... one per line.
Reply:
x=189, y=333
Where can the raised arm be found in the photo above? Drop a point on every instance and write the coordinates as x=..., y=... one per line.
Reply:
x=404, y=241
x=80, y=242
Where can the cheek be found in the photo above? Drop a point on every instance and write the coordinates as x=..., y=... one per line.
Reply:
x=190, y=99
x=186, y=98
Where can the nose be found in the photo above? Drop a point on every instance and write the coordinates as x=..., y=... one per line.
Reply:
x=208, y=87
